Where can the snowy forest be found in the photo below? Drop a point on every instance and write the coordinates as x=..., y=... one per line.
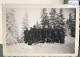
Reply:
x=53, y=28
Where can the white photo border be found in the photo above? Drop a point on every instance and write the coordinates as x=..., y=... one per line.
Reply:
x=38, y=6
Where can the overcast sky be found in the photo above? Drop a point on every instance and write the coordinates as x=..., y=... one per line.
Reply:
x=34, y=15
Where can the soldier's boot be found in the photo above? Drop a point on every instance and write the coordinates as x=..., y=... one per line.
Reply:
x=62, y=41
x=30, y=43
x=53, y=41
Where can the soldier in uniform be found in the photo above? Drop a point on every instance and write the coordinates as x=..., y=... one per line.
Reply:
x=40, y=35
x=37, y=35
x=43, y=36
x=34, y=34
x=62, y=34
x=30, y=37
x=56, y=33
x=46, y=37
x=49, y=35
x=52, y=35
x=59, y=32
x=26, y=35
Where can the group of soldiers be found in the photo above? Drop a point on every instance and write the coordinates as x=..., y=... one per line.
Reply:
x=42, y=35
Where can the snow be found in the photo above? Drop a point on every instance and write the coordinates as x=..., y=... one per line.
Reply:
x=67, y=47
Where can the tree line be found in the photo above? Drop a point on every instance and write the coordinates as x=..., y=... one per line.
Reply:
x=52, y=29
x=52, y=23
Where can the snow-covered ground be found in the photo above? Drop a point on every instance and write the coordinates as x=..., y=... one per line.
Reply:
x=67, y=47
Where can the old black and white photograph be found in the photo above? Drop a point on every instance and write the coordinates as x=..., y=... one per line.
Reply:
x=41, y=30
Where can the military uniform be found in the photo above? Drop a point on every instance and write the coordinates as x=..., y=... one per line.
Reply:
x=43, y=35
x=40, y=35
x=62, y=33
x=52, y=35
x=30, y=37
x=56, y=33
x=26, y=36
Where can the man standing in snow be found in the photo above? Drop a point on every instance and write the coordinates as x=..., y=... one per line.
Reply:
x=56, y=33
x=62, y=35
x=52, y=35
x=34, y=34
x=40, y=36
x=30, y=37
x=43, y=34
x=26, y=35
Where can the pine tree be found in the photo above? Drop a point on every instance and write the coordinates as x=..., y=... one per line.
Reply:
x=73, y=25
x=25, y=21
x=53, y=16
x=61, y=14
x=61, y=18
x=24, y=26
x=12, y=34
x=45, y=19
x=75, y=14
x=70, y=20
